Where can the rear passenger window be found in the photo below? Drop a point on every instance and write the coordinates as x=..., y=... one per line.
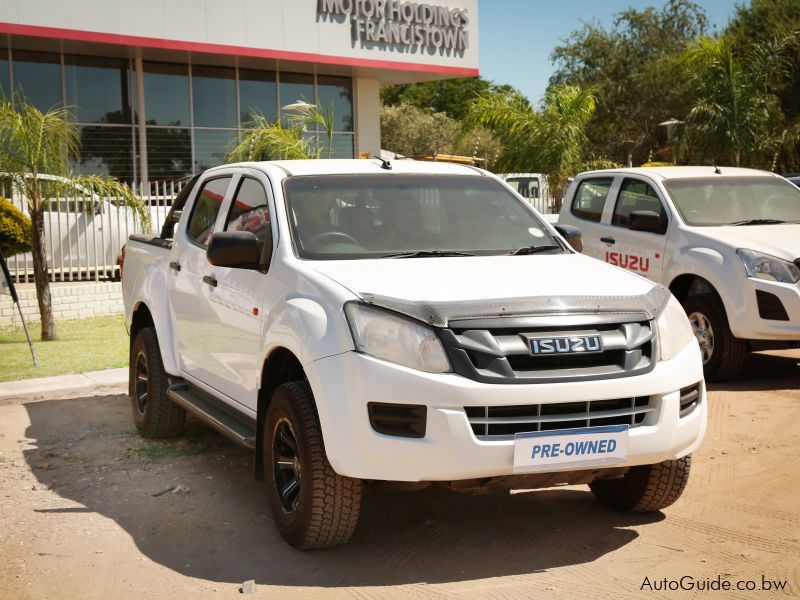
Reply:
x=635, y=195
x=590, y=198
x=206, y=208
x=249, y=210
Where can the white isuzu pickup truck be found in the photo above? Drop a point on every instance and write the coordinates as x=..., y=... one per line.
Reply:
x=357, y=322
x=725, y=241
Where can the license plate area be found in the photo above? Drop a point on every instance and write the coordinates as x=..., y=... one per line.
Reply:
x=560, y=449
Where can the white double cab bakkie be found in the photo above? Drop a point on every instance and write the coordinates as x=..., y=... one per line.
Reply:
x=357, y=322
x=725, y=241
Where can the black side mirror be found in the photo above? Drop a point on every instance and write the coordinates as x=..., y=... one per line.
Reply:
x=572, y=234
x=646, y=220
x=235, y=249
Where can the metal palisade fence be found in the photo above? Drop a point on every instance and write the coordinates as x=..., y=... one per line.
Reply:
x=84, y=232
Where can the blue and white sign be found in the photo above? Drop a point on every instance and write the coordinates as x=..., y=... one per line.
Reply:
x=570, y=448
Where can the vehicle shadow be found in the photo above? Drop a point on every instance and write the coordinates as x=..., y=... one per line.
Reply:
x=764, y=371
x=86, y=451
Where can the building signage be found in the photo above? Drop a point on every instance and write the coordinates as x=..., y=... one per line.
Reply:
x=409, y=24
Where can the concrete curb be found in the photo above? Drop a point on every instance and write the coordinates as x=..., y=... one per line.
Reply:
x=64, y=385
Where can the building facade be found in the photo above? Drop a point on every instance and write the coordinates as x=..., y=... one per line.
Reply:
x=160, y=89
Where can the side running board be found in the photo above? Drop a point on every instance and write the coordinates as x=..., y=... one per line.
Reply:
x=238, y=427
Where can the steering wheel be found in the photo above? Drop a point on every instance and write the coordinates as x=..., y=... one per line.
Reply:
x=332, y=234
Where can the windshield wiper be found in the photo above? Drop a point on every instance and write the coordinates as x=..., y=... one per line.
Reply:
x=758, y=222
x=425, y=253
x=535, y=249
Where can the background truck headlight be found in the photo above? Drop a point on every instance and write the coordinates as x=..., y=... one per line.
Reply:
x=387, y=336
x=674, y=330
x=771, y=268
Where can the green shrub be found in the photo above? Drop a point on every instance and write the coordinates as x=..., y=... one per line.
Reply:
x=15, y=229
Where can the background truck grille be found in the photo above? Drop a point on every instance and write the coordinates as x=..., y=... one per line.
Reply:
x=502, y=422
x=497, y=351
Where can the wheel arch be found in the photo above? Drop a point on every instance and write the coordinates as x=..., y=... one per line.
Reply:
x=280, y=366
x=689, y=284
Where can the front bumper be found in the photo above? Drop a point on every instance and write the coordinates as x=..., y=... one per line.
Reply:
x=748, y=324
x=343, y=385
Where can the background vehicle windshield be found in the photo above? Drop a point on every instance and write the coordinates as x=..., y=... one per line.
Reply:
x=727, y=200
x=369, y=216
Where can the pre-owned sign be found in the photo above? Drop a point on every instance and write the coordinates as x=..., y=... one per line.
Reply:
x=403, y=23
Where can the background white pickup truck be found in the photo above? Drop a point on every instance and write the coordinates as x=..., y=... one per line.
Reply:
x=726, y=242
x=357, y=321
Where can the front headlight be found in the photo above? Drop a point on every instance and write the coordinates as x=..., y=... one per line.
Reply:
x=771, y=268
x=674, y=330
x=388, y=336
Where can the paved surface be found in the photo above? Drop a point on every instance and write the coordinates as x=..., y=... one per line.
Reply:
x=64, y=385
x=80, y=519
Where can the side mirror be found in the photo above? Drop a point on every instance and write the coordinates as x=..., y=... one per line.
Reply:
x=234, y=249
x=573, y=236
x=646, y=220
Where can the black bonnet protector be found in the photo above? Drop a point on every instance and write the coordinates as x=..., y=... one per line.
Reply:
x=647, y=306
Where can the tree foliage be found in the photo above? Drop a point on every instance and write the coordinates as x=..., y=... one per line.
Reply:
x=15, y=230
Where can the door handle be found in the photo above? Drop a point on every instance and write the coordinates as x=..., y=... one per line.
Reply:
x=210, y=280
x=175, y=266
x=608, y=240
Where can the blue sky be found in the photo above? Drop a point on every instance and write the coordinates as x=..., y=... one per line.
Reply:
x=517, y=36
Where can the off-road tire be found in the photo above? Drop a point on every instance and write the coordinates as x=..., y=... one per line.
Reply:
x=645, y=488
x=729, y=351
x=328, y=504
x=160, y=417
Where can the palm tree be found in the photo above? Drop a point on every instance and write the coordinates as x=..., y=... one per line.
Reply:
x=736, y=114
x=33, y=143
x=551, y=140
x=263, y=140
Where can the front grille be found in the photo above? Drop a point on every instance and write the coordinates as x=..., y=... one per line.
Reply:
x=493, y=351
x=502, y=422
x=690, y=398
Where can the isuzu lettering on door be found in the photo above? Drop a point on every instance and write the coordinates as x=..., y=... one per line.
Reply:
x=356, y=322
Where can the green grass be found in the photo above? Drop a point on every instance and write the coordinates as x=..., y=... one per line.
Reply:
x=81, y=345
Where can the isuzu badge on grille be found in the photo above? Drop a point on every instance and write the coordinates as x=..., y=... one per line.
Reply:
x=566, y=345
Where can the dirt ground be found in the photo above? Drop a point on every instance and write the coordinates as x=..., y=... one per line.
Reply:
x=79, y=519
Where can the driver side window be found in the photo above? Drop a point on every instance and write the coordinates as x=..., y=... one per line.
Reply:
x=250, y=211
x=636, y=195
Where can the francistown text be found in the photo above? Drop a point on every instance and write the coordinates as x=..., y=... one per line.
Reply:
x=403, y=23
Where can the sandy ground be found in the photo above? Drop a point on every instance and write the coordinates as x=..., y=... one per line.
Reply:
x=78, y=518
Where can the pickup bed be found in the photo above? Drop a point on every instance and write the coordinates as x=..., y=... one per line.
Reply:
x=357, y=322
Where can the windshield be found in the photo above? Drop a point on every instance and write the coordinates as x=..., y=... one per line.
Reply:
x=374, y=216
x=735, y=200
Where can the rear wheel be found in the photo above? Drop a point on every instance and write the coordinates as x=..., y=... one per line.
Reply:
x=646, y=488
x=155, y=415
x=723, y=353
x=313, y=506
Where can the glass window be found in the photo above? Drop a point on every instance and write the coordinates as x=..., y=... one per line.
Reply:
x=373, y=216
x=97, y=89
x=106, y=151
x=166, y=94
x=37, y=75
x=214, y=96
x=258, y=94
x=205, y=210
x=735, y=200
x=211, y=146
x=342, y=146
x=295, y=87
x=5, y=85
x=169, y=153
x=336, y=94
x=250, y=210
x=635, y=194
x=527, y=187
x=591, y=198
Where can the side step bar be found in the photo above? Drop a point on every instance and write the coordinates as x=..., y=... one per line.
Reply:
x=240, y=428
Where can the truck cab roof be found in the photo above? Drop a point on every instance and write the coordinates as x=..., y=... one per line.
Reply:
x=664, y=173
x=357, y=166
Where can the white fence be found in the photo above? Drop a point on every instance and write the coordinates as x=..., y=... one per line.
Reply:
x=84, y=232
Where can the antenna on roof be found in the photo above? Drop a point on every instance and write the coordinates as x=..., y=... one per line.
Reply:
x=717, y=170
x=385, y=164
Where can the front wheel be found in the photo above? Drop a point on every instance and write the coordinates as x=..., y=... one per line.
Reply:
x=646, y=488
x=723, y=353
x=313, y=506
